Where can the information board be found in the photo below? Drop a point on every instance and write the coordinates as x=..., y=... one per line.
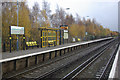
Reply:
x=65, y=34
x=17, y=30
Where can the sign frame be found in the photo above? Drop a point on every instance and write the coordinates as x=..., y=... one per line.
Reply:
x=17, y=30
x=65, y=34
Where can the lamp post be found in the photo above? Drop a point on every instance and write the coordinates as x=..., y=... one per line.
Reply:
x=68, y=29
x=86, y=33
x=17, y=25
x=67, y=8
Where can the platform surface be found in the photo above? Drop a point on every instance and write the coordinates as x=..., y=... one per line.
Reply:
x=34, y=50
x=118, y=73
x=115, y=70
x=6, y=56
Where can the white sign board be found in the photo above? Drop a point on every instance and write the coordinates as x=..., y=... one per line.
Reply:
x=17, y=30
x=86, y=33
x=73, y=39
x=65, y=34
x=66, y=31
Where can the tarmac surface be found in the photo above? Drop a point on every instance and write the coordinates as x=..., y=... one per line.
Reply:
x=6, y=55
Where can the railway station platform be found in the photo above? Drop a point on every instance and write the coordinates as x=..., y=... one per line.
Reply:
x=118, y=69
x=115, y=71
x=6, y=56
x=21, y=53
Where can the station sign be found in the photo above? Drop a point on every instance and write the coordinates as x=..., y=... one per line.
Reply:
x=17, y=30
x=65, y=28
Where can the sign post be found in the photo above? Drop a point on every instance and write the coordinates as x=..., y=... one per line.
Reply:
x=65, y=28
x=10, y=38
x=60, y=36
x=23, y=42
x=86, y=33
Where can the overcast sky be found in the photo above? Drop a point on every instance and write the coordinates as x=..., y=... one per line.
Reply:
x=104, y=11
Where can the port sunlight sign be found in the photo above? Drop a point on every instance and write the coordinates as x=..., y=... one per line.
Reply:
x=16, y=30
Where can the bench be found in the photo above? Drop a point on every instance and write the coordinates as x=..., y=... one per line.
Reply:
x=31, y=44
x=51, y=43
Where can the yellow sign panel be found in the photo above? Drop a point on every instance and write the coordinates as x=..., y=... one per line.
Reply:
x=23, y=37
x=10, y=38
x=78, y=39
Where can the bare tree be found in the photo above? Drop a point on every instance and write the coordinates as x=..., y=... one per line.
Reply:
x=46, y=7
x=54, y=20
x=58, y=18
x=35, y=15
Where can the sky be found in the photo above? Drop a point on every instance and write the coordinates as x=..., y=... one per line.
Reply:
x=104, y=11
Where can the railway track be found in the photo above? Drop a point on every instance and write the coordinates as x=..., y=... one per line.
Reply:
x=103, y=74
x=108, y=66
x=77, y=70
x=52, y=71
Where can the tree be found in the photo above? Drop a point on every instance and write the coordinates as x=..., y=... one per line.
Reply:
x=54, y=20
x=45, y=14
x=61, y=14
x=69, y=20
x=35, y=15
x=81, y=31
x=74, y=30
x=46, y=8
x=9, y=18
x=45, y=20
x=91, y=29
x=58, y=18
x=25, y=21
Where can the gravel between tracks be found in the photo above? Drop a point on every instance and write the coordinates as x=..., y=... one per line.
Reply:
x=41, y=71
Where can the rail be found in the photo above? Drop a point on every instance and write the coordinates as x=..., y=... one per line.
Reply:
x=84, y=65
